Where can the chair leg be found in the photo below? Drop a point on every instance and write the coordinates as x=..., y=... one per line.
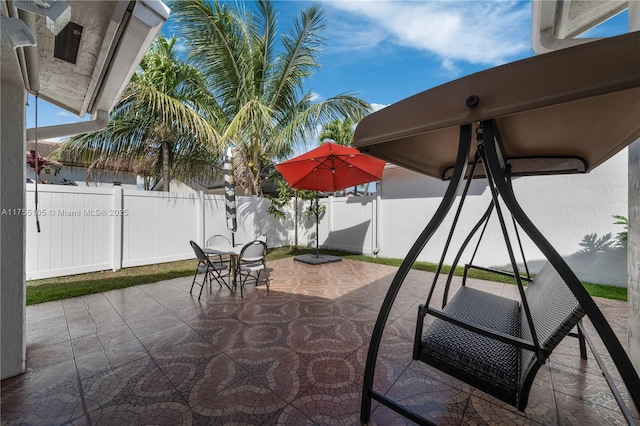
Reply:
x=204, y=282
x=194, y=281
x=582, y=342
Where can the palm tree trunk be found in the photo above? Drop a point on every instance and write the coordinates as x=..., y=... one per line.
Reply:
x=166, y=166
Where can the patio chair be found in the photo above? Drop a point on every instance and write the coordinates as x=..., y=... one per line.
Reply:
x=212, y=269
x=220, y=240
x=251, y=264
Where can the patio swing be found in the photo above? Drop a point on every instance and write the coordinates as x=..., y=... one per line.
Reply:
x=533, y=122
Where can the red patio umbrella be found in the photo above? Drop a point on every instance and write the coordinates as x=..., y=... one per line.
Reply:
x=328, y=168
x=331, y=167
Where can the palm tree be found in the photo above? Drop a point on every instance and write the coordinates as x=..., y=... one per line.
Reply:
x=263, y=109
x=339, y=131
x=162, y=126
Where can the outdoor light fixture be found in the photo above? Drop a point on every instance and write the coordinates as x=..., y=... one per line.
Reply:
x=57, y=13
x=16, y=32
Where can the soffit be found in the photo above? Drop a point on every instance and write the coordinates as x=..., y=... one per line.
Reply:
x=567, y=19
x=74, y=86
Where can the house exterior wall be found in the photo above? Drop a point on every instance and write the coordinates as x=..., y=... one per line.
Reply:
x=633, y=255
x=78, y=175
x=566, y=209
x=12, y=225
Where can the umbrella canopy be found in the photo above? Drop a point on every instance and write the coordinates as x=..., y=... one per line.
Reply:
x=331, y=167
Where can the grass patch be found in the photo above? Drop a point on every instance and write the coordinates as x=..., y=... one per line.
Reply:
x=50, y=289
x=606, y=291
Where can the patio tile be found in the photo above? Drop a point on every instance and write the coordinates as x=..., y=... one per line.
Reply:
x=45, y=395
x=541, y=409
x=126, y=352
x=48, y=337
x=99, y=341
x=431, y=399
x=228, y=390
x=221, y=333
x=152, y=324
x=155, y=354
x=134, y=393
x=328, y=374
x=43, y=324
x=93, y=363
x=49, y=355
x=572, y=411
x=322, y=409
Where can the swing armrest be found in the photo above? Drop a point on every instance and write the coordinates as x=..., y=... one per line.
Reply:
x=494, y=271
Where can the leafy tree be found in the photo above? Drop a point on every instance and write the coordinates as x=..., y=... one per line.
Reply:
x=160, y=128
x=261, y=106
x=339, y=131
x=283, y=198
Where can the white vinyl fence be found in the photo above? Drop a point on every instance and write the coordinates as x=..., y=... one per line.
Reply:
x=86, y=229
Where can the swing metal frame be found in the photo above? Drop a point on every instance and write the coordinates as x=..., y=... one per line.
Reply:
x=498, y=176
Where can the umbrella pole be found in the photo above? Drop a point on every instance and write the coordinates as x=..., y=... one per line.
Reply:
x=317, y=231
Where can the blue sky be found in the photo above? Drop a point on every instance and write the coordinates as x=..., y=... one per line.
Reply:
x=385, y=51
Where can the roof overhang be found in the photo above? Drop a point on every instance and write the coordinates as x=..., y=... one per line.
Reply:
x=115, y=36
x=555, y=24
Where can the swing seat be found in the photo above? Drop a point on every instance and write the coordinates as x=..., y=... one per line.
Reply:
x=500, y=368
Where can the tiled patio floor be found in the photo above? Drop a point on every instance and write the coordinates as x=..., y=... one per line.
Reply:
x=153, y=354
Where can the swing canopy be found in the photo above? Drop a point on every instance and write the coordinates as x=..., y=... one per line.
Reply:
x=563, y=112
x=566, y=111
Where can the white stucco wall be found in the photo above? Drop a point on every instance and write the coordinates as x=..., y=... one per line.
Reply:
x=12, y=242
x=634, y=224
x=565, y=208
x=78, y=175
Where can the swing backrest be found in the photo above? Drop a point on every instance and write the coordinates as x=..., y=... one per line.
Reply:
x=554, y=311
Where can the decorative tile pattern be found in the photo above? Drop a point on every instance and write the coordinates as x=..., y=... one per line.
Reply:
x=154, y=354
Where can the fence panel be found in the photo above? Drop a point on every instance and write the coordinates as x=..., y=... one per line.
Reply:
x=348, y=224
x=76, y=230
x=157, y=227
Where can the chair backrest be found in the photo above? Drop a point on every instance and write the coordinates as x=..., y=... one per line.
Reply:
x=198, y=251
x=217, y=240
x=554, y=310
x=255, y=251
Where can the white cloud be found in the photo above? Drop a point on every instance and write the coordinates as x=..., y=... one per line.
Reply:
x=315, y=97
x=377, y=107
x=480, y=32
x=180, y=46
x=450, y=67
x=63, y=113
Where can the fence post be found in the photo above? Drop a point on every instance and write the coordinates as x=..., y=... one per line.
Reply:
x=200, y=219
x=376, y=215
x=329, y=221
x=118, y=218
